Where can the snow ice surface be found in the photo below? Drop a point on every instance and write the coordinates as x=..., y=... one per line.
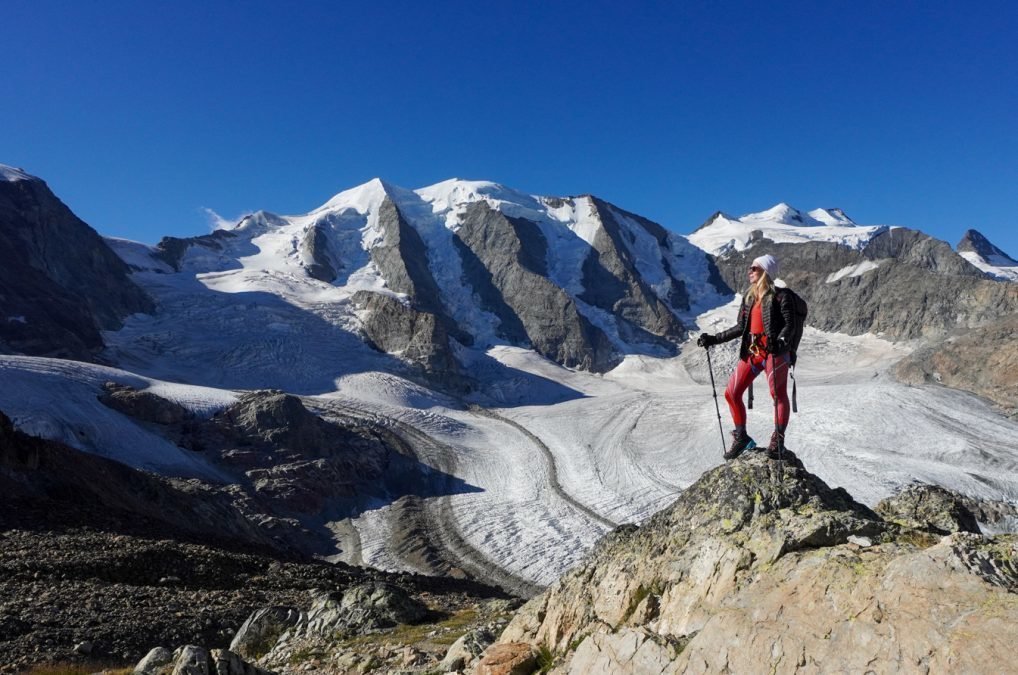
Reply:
x=998, y=266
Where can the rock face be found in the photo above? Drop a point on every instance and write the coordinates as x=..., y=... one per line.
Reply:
x=981, y=360
x=752, y=569
x=60, y=284
x=504, y=259
x=902, y=284
x=396, y=327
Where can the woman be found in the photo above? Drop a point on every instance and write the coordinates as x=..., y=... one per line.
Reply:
x=765, y=326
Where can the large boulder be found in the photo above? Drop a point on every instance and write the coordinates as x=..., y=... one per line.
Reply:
x=262, y=629
x=929, y=507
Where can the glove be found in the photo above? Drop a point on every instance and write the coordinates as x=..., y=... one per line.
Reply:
x=706, y=340
x=781, y=345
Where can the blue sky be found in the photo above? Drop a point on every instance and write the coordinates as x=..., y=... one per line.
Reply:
x=140, y=115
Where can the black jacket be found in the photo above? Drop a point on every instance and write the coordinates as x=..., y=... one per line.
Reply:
x=778, y=318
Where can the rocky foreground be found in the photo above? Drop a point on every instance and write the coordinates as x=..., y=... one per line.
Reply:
x=758, y=566
x=761, y=567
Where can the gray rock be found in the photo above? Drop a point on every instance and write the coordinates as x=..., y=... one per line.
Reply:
x=402, y=259
x=157, y=660
x=612, y=281
x=262, y=629
x=192, y=660
x=929, y=507
x=84, y=648
x=466, y=650
x=225, y=662
x=981, y=360
x=143, y=405
x=504, y=260
x=973, y=241
x=314, y=249
x=364, y=607
x=417, y=336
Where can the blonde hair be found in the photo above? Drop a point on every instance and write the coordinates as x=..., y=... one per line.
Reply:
x=761, y=289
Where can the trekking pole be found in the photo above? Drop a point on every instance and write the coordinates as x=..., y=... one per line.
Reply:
x=714, y=391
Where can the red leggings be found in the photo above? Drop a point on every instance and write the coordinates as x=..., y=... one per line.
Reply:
x=777, y=377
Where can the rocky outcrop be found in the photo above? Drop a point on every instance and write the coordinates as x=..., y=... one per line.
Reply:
x=396, y=327
x=902, y=285
x=60, y=284
x=505, y=261
x=171, y=250
x=929, y=507
x=982, y=360
x=262, y=630
x=760, y=566
x=314, y=250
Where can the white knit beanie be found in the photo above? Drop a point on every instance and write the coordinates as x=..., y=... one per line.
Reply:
x=768, y=264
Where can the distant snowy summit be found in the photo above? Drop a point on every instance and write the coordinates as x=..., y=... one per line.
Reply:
x=981, y=252
x=781, y=224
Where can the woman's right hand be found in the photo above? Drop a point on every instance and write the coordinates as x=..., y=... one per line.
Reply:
x=706, y=340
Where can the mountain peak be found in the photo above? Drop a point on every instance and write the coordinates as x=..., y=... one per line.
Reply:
x=362, y=198
x=833, y=216
x=974, y=241
x=779, y=213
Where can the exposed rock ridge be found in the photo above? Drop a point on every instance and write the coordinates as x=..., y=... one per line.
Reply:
x=612, y=281
x=760, y=565
x=903, y=285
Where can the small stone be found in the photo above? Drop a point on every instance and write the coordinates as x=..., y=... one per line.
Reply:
x=864, y=542
x=84, y=648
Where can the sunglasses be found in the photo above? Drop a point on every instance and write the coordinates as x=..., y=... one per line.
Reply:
x=754, y=268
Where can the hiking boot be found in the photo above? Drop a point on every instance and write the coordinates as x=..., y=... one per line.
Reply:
x=740, y=443
x=776, y=448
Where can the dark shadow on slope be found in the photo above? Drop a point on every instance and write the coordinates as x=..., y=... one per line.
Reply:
x=46, y=485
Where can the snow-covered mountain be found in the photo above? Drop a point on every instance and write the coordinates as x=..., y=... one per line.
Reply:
x=425, y=274
x=782, y=224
